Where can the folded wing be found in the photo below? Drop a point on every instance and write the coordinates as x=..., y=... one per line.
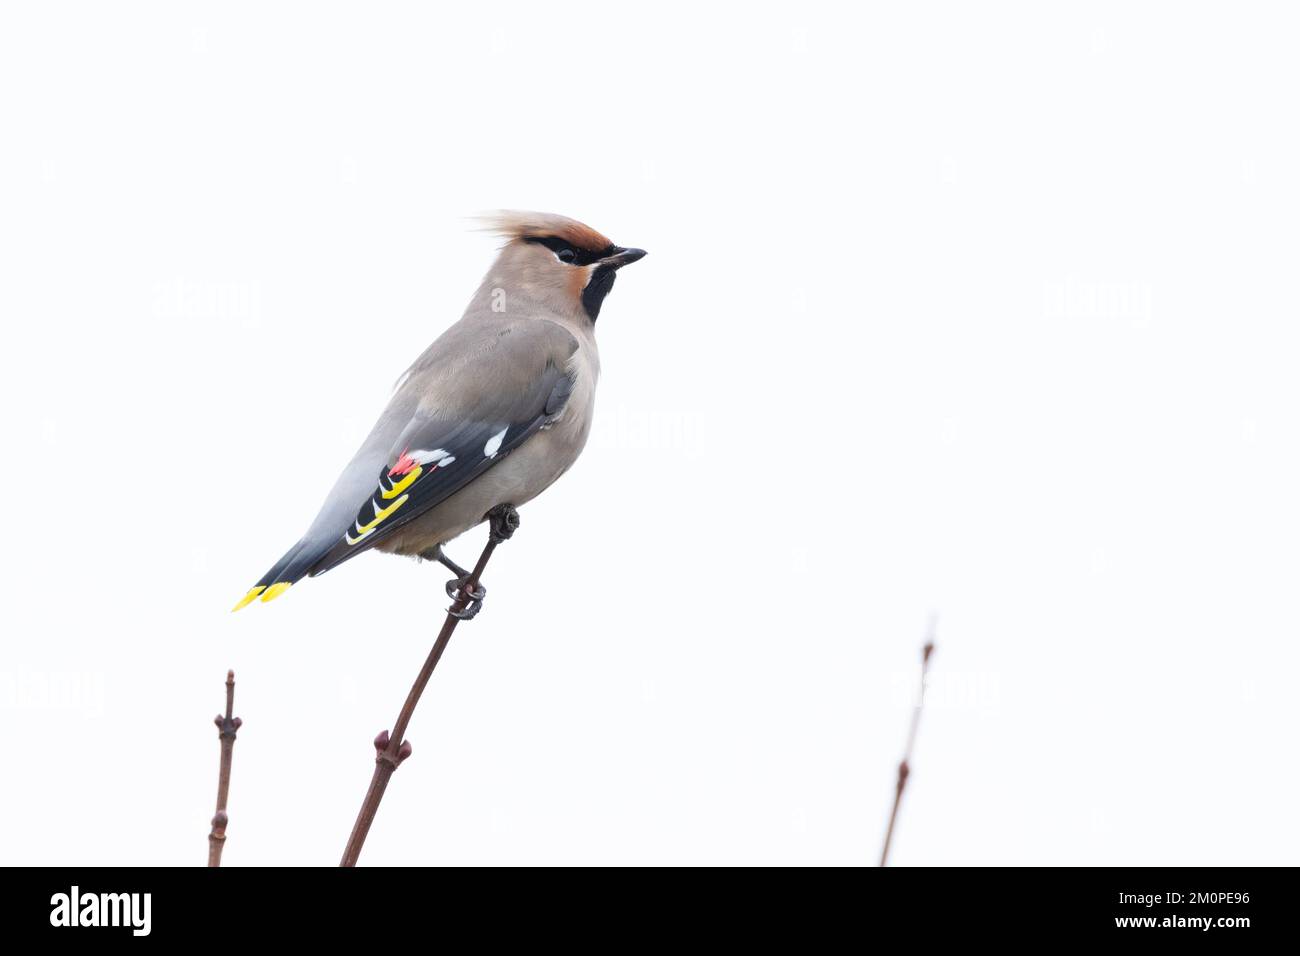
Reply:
x=475, y=402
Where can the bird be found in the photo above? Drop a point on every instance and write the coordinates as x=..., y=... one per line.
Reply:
x=489, y=416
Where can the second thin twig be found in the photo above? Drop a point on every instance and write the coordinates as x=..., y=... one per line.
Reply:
x=227, y=726
x=904, y=768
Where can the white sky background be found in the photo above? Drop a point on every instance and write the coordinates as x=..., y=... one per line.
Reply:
x=990, y=313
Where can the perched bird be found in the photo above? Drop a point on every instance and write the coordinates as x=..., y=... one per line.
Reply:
x=497, y=408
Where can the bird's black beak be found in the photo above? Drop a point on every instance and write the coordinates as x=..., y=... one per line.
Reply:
x=621, y=258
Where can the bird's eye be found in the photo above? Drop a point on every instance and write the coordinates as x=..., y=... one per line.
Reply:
x=570, y=255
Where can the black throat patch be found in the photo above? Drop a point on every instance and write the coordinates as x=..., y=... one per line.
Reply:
x=602, y=280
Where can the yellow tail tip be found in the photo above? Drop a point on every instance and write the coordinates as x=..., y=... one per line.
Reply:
x=248, y=598
x=275, y=590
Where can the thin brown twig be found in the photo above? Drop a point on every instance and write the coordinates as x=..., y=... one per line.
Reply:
x=227, y=726
x=904, y=767
x=391, y=748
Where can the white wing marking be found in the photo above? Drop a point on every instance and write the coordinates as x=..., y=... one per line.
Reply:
x=494, y=443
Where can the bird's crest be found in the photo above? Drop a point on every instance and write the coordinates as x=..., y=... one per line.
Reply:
x=513, y=224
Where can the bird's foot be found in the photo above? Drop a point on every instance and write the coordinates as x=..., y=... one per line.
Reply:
x=473, y=605
x=503, y=522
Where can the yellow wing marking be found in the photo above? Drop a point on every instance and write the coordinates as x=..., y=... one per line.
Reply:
x=380, y=515
x=405, y=483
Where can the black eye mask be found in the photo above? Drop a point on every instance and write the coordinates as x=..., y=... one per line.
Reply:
x=568, y=253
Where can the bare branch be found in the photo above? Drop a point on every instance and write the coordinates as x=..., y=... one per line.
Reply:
x=904, y=768
x=227, y=727
x=392, y=748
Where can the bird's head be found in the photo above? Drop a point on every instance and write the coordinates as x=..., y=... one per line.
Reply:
x=556, y=261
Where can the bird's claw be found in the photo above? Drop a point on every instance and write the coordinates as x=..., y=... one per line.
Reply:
x=473, y=605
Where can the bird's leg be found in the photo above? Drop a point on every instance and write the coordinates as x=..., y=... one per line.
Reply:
x=437, y=554
x=503, y=522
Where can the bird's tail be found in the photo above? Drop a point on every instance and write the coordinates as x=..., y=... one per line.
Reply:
x=290, y=569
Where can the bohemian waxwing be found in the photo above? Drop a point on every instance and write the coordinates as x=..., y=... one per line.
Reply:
x=496, y=409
